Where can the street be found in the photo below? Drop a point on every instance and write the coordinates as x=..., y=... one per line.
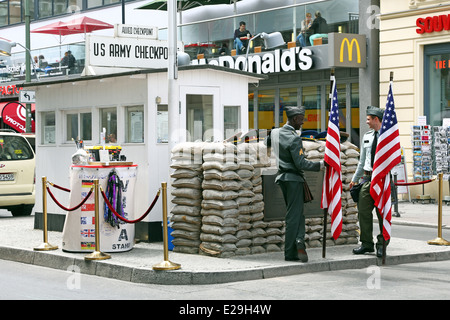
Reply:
x=429, y=280
x=418, y=281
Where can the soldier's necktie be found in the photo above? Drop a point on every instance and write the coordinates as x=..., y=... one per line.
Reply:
x=374, y=148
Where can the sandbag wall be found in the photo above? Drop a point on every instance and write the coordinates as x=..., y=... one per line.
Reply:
x=217, y=202
x=314, y=151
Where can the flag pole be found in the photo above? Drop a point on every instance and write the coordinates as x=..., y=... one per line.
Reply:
x=325, y=211
x=383, y=260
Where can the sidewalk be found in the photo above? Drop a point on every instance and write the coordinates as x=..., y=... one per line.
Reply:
x=18, y=238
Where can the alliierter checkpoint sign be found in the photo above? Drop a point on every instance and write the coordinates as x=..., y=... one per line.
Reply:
x=128, y=52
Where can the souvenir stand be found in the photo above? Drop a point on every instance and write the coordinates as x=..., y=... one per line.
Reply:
x=422, y=158
x=117, y=180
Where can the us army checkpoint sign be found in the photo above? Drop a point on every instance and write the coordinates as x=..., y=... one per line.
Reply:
x=128, y=52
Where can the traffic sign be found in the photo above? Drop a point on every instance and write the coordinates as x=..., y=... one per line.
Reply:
x=27, y=96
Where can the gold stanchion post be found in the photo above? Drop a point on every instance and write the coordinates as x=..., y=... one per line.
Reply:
x=439, y=240
x=45, y=246
x=97, y=254
x=166, y=264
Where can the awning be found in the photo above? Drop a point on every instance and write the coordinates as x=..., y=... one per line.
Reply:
x=13, y=115
x=2, y=104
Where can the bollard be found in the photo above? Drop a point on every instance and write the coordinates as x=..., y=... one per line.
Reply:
x=166, y=264
x=97, y=254
x=45, y=246
x=439, y=240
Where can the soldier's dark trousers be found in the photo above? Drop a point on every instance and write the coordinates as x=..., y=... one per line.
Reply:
x=295, y=218
x=366, y=204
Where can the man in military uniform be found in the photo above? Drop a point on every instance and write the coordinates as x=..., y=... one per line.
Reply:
x=366, y=203
x=287, y=146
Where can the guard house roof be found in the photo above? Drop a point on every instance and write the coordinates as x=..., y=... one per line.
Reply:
x=75, y=78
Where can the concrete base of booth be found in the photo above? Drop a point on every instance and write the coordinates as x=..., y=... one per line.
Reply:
x=144, y=231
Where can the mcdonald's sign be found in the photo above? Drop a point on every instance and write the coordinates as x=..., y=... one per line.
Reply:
x=347, y=50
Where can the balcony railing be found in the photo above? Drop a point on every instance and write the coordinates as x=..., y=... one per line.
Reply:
x=47, y=62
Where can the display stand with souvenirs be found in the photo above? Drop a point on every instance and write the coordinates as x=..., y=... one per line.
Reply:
x=422, y=157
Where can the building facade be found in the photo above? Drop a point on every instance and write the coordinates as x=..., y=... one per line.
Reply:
x=415, y=45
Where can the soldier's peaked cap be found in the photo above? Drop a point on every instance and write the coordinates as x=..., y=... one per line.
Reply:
x=375, y=111
x=294, y=110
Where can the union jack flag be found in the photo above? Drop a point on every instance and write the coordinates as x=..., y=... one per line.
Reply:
x=88, y=233
x=387, y=156
x=332, y=181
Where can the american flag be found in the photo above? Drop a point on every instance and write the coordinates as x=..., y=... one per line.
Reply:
x=332, y=182
x=387, y=156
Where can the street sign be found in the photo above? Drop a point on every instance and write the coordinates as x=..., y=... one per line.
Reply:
x=27, y=96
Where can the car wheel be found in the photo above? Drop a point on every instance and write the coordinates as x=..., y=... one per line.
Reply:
x=22, y=210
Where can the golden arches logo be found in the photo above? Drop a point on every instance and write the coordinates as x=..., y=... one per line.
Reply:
x=350, y=50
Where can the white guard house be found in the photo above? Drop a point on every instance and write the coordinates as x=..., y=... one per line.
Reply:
x=132, y=106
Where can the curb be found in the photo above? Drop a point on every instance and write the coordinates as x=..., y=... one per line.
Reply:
x=147, y=275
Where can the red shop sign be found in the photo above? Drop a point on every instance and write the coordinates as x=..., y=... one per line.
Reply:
x=14, y=115
x=433, y=24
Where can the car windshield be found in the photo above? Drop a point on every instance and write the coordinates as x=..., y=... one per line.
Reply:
x=14, y=148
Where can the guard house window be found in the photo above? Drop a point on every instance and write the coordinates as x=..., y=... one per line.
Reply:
x=79, y=126
x=162, y=123
x=199, y=117
x=108, y=120
x=134, y=131
x=48, y=128
x=437, y=83
x=232, y=120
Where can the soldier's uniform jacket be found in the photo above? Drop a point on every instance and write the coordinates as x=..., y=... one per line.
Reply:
x=291, y=158
x=365, y=156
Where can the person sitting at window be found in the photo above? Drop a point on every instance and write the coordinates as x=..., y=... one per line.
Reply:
x=69, y=61
x=319, y=28
x=303, y=36
x=241, y=37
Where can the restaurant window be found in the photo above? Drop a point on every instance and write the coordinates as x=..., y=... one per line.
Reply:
x=108, y=123
x=354, y=133
x=134, y=124
x=45, y=8
x=79, y=126
x=288, y=97
x=266, y=109
x=15, y=12
x=48, y=127
x=341, y=92
x=199, y=117
x=437, y=83
x=232, y=120
x=162, y=123
x=312, y=103
x=3, y=13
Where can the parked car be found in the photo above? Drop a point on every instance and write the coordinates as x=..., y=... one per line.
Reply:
x=17, y=174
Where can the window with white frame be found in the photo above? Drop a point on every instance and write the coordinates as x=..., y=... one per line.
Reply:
x=48, y=127
x=134, y=124
x=108, y=120
x=79, y=126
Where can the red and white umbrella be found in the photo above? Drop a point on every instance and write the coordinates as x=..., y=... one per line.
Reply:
x=75, y=26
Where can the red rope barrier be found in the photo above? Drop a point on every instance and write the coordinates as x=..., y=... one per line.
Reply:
x=58, y=187
x=68, y=209
x=124, y=219
x=413, y=183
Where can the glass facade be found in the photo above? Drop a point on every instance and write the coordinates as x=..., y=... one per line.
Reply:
x=12, y=11
x=269, y=104
x=46, y=63
x=208, y=37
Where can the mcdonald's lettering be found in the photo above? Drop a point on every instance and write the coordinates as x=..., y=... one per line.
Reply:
x=349, y=45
